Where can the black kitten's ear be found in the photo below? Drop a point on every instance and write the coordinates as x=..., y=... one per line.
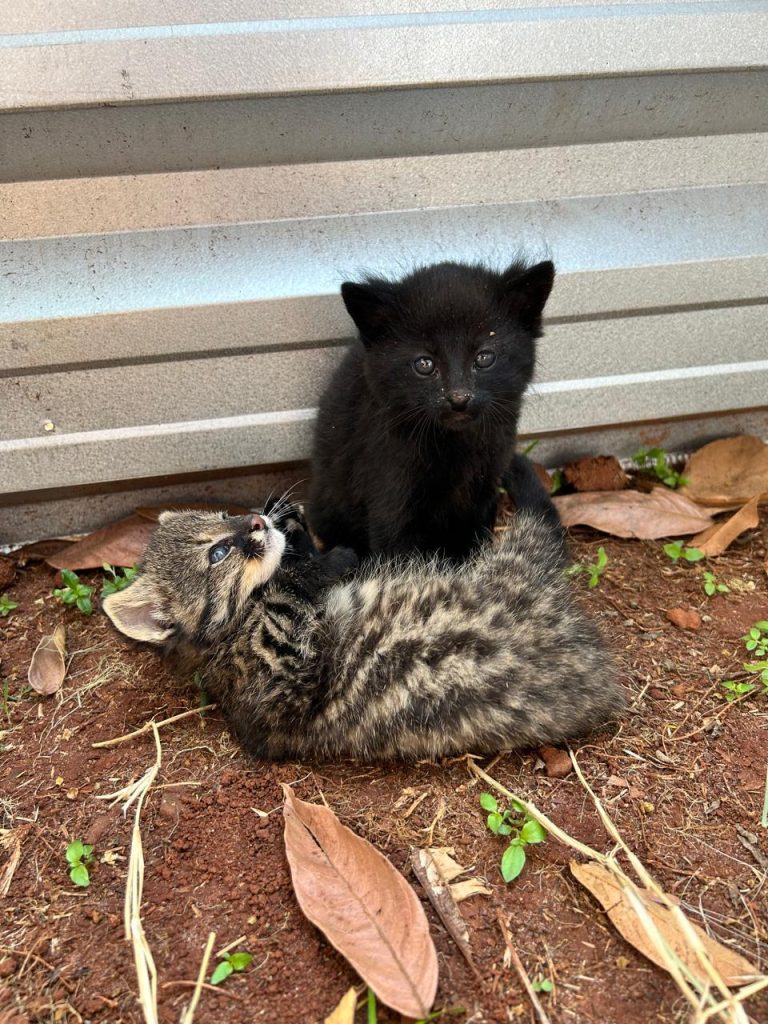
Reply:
x=369, y=305
x=136, y=612
x=527, y=291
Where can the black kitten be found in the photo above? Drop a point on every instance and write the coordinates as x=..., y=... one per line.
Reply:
x=419, y=423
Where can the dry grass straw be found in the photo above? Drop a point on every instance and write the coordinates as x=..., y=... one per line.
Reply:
x=146, y=973
x=149, y=726
x=708, y=1000
x=188, y=1015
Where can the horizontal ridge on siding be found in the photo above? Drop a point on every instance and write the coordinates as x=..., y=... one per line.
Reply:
x=180, y=200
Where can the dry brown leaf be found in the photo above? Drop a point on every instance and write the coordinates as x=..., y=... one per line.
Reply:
x=470, y=887
x=11, y=840
x=435, y=868
x=716, y=539
x=662, y=513
x=345, y=1011
x=363, y=906
x=597, y=473
x=47, y=668
x=121, y=543
x=604, y=886
x=685, y=618
x=728, y=472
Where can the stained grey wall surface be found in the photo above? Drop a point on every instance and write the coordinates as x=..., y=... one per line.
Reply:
x=182, y=190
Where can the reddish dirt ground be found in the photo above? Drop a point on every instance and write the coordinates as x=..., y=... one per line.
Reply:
x=684, y=779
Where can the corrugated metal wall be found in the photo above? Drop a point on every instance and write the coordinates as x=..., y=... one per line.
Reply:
x=182, y=189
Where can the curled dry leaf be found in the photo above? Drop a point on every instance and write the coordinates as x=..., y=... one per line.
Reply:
x=597, y=473
x=604, y=886
x=47, y=668
x=716, y=539
x=345, y=1011
x=685, y=618
x=558, y=762
x=728, y=472
x=121, y=543
x=435, y=868
x=363, y=906
x=662, y=513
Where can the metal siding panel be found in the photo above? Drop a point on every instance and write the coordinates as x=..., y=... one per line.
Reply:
x=181, y=314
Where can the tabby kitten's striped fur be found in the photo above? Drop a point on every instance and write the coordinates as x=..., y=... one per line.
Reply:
x=410, y=660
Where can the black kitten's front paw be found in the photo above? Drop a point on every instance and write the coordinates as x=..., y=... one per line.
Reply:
x=339, y=562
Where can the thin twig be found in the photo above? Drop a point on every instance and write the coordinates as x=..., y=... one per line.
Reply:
x=518, y=964
x=225, y=949
x=189, y=1013
x=182, y=983
x=148, y=726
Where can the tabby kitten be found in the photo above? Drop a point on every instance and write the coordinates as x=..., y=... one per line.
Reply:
x=419, y=422
x=408, y=660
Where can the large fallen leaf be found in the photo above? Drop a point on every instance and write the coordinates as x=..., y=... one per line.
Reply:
x=435, y=868
x=733, y=968
x=662, y=513
x=121, y=543
x=363, y=906
x=716, y=539
x=47, y=668
x=345, y=1011
x=728, y=472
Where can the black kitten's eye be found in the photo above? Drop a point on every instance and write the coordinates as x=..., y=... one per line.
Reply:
x=424, y=365
x=218, y=553
x=485, y=359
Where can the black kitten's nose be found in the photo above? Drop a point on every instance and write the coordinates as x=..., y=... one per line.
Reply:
x=257, y=523
x=458, y=400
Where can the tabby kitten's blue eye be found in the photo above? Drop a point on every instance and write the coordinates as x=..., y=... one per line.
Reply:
x=485, y=359
x=218, y=553
x=424, y=365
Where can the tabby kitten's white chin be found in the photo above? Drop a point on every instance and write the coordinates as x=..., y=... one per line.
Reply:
x=257, y=571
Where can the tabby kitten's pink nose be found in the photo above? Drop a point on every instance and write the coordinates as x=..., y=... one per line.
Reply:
x=257, y=523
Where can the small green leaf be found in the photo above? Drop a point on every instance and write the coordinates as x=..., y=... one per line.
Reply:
x=543, y=985
x=222, y=971
x=694, y=555
x=75, y=852
x=70, y=578
x=512, y=862
x=488, y=802
x=85, y=605
x=240, y=961
x=602, y=558
x=504, y=829
x=517, y=806
x=79, y=875
x=87, y=851
x=532, y=832
x=493, y=821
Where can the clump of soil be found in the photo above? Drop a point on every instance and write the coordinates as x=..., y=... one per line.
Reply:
x=683, y=777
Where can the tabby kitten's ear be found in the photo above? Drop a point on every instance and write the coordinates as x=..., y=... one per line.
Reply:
x=136, y=612
x=369, y=305
x=527, y=291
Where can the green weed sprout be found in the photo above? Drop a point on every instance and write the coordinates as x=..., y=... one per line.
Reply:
x=712, y=587
x=523, y=829
x=74, y=592
x=542, y=985
x=677, y=550
x=231, y=963
x=755, y=643
x=119, y=581
x=7, y=605
x=594, y=571
x=79, y=857
x=656, y=461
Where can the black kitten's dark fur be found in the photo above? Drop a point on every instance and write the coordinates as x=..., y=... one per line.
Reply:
x=419, y=422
